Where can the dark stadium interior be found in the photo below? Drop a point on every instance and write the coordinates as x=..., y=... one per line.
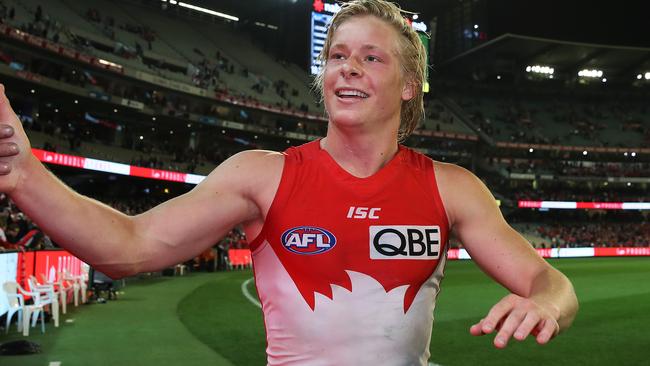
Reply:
x=149, y=84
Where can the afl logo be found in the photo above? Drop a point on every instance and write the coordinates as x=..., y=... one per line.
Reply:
x=308, y=240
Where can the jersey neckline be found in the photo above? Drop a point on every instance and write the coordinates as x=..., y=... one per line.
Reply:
x=384, y=172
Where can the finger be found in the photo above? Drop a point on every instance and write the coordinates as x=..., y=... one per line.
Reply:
x=496, y=315
x=549, y=330
x=475, y=329
x=5, y=168
x=509, y=326
x=8, y=149
x=6, y=131
x=527, y=326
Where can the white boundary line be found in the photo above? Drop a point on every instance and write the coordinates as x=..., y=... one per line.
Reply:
x=251, y=298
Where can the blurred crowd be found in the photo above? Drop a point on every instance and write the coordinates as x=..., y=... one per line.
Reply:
x=576, y=168
x=205, y=69
x=596, y=234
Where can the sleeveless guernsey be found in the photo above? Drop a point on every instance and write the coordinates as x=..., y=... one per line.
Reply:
x=348, y=269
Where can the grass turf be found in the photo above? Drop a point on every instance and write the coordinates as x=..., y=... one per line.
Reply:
x=140, y=328
x=204, y=319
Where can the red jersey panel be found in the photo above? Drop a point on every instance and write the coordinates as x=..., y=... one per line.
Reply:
x=345, y=261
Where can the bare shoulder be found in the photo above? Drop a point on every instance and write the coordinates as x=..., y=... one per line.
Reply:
x=260, y=158
x=253, y=174
x=250, y=167
x=461, y=190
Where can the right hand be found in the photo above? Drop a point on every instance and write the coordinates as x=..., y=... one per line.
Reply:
x=15, y=150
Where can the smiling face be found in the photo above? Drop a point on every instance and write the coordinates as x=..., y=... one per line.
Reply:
x=363, y=83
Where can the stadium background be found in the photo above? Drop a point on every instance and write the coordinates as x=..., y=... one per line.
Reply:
x=155, y=85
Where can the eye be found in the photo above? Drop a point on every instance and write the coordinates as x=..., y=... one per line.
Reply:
x=372, y=58
x=337, y=56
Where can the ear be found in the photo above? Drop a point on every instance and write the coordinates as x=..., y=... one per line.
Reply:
x=408, y=91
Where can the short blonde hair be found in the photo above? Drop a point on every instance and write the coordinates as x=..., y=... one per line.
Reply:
x=412, y=55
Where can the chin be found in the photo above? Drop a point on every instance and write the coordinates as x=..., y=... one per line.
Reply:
x=347, y=119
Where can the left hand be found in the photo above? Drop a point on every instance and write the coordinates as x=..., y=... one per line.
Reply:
x=518, y=317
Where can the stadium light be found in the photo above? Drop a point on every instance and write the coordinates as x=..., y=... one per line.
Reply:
x=647, y=75
x=531, y=150
x=584, y=153
x=590, y=73
x=540, y=69
x=604, y=80
x=202, y=10
x=639, y=76
x=633, y=154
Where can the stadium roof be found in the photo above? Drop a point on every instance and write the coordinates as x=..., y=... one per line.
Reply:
x=501, y=54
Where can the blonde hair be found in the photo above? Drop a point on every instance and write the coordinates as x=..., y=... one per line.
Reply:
x=412, y=55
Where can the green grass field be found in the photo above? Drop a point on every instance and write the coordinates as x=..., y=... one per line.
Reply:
x=204, y=319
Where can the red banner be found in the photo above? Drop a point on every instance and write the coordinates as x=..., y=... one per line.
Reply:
x=622, y=252
x=59, y=159
x=25, y=267
x=50, y=264
x=240, y=257
x=137, y=171
x=600, y=205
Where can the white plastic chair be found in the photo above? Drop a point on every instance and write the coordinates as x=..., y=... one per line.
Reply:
x=62, y=288
x=14, y=294
x=47, y=297
x=79, y=286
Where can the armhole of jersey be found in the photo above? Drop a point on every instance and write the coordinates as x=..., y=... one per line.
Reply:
x=281, y=196
x=436, y=195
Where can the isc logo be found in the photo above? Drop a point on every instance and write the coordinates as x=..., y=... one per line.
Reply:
x=308, y=240
x=404, y=242
x=363, y=212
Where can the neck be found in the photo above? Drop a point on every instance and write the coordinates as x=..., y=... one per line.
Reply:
x=362, y=155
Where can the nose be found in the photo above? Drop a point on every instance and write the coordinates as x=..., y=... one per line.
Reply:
x=351, y=68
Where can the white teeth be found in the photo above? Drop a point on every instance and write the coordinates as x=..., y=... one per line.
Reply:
x=351, y=93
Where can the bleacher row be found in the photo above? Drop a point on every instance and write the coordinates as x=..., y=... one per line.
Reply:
x=148, y=38
x=560, y=119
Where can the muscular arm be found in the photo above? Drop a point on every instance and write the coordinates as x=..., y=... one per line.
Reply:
x=118, y=244
x=542, y=302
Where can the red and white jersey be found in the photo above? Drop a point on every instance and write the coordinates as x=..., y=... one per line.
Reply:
x=348, y=269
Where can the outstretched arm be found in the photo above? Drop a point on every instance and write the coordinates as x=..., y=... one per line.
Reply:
x=118, y=244
x=542, y=300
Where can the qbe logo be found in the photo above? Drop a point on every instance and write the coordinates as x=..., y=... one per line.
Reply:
x=405, y=242
x=308, y=240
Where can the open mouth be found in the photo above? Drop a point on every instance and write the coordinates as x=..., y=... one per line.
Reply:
x=350, y=93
